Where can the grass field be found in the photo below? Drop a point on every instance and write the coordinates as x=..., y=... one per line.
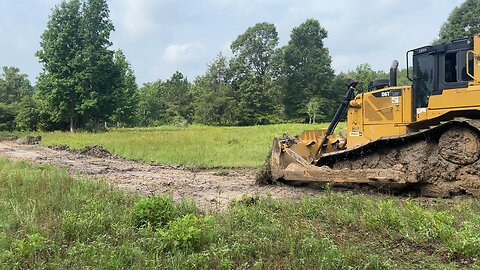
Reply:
x=199, y=146
x=50, y=220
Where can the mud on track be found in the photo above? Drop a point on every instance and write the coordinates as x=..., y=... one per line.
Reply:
x=209, y=188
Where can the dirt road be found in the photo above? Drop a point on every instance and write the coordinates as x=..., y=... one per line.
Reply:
x=211, y=189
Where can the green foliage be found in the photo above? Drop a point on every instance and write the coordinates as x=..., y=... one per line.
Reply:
x=59, y=82
x=253, y=80
x=154, y=211
x=214, y=101
x=313, y=110
x=125, y=95
x=159, y=210
x=28, y=114
x=14, y=85
x=50, y=220
x=34, y=250
x=308, y=70
x=364, y=75
x=80, y=83
x=463, y=21
x=188, y=232
x=168, y=102
x=17, y=108
x=7, y=117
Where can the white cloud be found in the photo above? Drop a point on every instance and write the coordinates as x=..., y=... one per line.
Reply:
x=183, y=52
x=137, y=19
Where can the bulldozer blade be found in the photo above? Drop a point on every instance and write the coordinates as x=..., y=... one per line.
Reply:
x=299, y=172
x=286, y=164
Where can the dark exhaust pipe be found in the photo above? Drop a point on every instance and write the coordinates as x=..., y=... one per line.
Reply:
x=393, y=73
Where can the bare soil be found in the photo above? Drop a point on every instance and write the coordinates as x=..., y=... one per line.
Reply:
x=211, y=189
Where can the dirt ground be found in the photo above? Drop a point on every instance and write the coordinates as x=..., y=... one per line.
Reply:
x=211, y=189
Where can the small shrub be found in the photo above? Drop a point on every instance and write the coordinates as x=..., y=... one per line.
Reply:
x=26, y=253
x=179, y=121
x=185, y=233
x=154, y=211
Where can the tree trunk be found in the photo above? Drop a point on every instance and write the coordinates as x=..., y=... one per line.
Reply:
x=71, y=123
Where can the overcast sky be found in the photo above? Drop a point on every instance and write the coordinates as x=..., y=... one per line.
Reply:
x=160, y=37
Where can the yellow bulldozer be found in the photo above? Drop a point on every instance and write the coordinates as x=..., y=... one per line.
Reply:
x=425, y=136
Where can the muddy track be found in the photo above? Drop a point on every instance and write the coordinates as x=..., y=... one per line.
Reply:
x=209, y=188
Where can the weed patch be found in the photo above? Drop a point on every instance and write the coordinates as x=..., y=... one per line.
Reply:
x=50, y=220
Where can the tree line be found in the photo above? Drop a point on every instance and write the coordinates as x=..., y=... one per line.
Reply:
x=86, y=85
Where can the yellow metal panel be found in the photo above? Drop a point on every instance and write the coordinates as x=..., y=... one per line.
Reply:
x=455, y=98
x=355, y=122
x=407, y=102
x=374, y=132
x=379, y=116
x=476, y=49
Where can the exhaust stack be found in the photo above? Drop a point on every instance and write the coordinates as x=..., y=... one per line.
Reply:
x=393, y=73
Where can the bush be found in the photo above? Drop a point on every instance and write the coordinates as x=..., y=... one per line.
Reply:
x=154, y=211
x=185, y=233
x=157, y=211
x=7, y=117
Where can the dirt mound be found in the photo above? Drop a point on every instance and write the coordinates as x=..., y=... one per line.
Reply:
x=30, y=140
x=60, y=147
x=97, y=151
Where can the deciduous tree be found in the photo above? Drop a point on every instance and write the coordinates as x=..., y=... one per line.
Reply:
x=308, y=69
x=463, y=21
x=252, y=74
x=60, y=53
x=14, y=85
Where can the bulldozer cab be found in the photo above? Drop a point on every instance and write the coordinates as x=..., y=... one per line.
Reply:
x=440, y=67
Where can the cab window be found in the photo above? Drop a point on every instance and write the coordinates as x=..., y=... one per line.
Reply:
x=451, y=67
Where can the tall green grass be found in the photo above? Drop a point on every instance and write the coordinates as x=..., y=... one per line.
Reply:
x=200, y=146
x=50, y=220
